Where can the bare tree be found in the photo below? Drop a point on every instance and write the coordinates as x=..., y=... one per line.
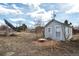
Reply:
x=39, y=22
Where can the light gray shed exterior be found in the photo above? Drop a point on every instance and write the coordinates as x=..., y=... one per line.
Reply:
x=58, y=31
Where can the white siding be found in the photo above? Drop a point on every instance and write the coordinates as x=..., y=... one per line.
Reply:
x=70, y=33
x=53, y=31
x=66, y=32
x=47, y=33
x=57, y=30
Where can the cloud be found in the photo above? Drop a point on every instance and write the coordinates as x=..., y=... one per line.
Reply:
x=17, y=19
x=33, y=5
x=14, y=6
x=7, y=11
x=35, y=2
x=75, y=24
x=36, y=12
x=40, y=13
x=1, y=22
x=38, y=1
x=32, y=22
x=74, y=9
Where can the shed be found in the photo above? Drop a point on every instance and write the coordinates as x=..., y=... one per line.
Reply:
x=57, y=30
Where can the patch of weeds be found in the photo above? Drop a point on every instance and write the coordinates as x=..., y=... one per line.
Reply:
x=12, y=34
x=2, y=53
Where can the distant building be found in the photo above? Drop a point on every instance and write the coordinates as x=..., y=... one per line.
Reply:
x=75, y=30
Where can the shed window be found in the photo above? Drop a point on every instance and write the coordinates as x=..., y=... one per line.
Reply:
x=57, y=34
x=48, y=29
x=57, y=28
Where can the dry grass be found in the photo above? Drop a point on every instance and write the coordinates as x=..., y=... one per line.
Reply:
x=26, y=44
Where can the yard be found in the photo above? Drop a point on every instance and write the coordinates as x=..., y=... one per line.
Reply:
x=26, y=44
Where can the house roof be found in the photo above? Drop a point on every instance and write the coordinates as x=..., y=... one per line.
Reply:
x=57, y=22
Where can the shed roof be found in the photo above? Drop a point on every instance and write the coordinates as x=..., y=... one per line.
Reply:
x=57, y=22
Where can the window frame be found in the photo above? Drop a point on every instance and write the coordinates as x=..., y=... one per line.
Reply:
x=49, y=29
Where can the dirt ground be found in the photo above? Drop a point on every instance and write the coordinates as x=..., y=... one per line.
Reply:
x=25, y=44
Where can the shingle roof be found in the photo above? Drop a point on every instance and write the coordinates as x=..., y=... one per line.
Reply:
x=58, y=22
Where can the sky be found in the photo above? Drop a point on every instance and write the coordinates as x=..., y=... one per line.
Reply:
x=28, y=13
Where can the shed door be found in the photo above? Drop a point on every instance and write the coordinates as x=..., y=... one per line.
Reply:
x=58, y=32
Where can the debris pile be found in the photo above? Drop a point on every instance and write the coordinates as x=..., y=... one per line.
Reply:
x=42, y=40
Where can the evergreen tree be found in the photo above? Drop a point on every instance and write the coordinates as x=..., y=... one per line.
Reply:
x=66, y=22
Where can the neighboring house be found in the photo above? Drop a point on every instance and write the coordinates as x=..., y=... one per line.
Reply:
x=75, y=31
x=58, y=31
